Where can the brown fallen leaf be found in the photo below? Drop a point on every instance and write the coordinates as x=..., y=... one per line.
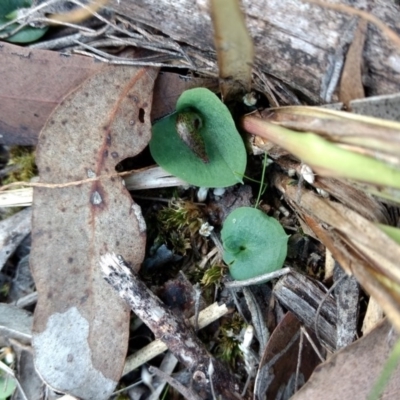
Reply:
x=35, y=81
x=279, y=361
x=81, y=326
x=352, y=372
x=32, y=92
x=351, y=85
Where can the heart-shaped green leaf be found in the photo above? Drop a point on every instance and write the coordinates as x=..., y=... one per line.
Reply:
x=7, y=6
x=225, y=159
x=254, y=243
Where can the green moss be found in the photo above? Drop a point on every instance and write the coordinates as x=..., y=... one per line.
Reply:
x=179, y=224
x=228, y=344
x=22, y=163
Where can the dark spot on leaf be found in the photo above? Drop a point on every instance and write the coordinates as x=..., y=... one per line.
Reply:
x=63, y=209
x=51, y=122
x=86, y=94
x=141, y=115
x=48, y=169
x=70, y=259
x=114, y=154
x=70, y=358
x=108, y=140
x=36, y=115
x=64, y=122
x=50, y=295
x=83, y=299
x=105, y=153
x=133, y=97
x=117, y=243
x=145, y=105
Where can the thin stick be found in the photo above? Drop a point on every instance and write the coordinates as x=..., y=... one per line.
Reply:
x=258, y=279
x=167, y=326
x=187, y=393
x=390, y=33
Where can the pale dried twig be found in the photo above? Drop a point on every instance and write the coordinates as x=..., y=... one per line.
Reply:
x=168, y=327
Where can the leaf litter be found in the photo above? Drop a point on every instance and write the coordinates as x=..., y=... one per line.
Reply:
x=314, y=216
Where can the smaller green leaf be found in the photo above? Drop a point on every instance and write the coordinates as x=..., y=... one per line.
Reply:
x=254, y=244
x=8, y=6
x=7, y=387
x=25, y=35
x=199, y=143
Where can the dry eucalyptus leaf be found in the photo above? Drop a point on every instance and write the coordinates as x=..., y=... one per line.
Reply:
x=35, y=82
x=278, y=364
x=352, y=372
x=80, y=324
x=351, y=86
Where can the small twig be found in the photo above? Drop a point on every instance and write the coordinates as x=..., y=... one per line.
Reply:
x=129, y=61
x=259, y=279
x=197, y=289
x=167, y=326
x=313, y=345
x=296, y=382
x=390, y=33
x=153, y=349
x=327, y=294
x=187, y=393
x=210, y=374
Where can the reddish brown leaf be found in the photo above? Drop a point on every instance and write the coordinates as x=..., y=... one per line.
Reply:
x=34, y=82
x=81, y=325
x=279, y=361
x=351, y=86
x=352, y=372
x=37, y=80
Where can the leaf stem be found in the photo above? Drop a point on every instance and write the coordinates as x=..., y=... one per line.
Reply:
x=262, y=187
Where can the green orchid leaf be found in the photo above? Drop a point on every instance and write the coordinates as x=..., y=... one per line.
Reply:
x=7, y=387
x=8, y=6
x=199, y=143
x=25, y=35
x=8, y=10
x=254, y=244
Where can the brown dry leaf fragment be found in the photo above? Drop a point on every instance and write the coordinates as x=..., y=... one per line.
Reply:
x=352, y=372
x=351, y=86
x=80, y=324
x=169, y=86
x=32, y=92
x=279, y=361
x=34, y=82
